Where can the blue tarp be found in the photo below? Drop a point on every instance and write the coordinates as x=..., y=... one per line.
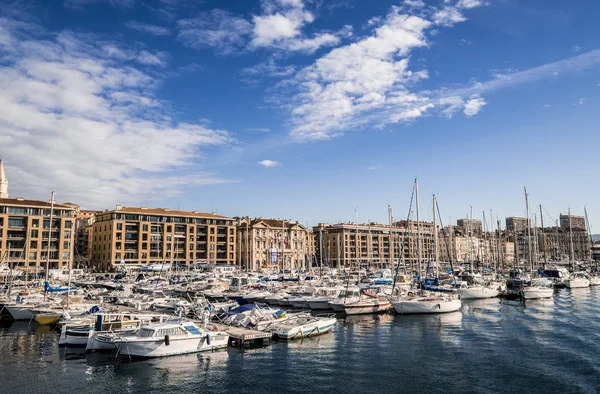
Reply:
x=50, y=289
x=441, y=290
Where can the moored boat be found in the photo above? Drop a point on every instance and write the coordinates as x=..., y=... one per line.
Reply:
x=302, y=325
x=169, y=339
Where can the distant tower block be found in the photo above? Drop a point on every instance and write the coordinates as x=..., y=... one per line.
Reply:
x=3, y=182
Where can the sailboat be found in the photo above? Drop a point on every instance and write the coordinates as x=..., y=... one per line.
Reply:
x=538, y=287
x=423, y=303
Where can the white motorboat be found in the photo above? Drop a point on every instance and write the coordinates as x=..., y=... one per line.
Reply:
x=426, y=304
x=539, y=288
x=367, y=305
x=577, y=280
x=302, y=325
x=477, y=292
x=169, y=339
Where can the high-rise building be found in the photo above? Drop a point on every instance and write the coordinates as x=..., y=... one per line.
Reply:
x=273, y=243
x=517, y=225
x=577, y=223
x=131, y=236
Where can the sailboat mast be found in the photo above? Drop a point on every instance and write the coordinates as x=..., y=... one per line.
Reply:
x=544, y=237
x=571, y=252
x=589, y=230
x=435, y=239
x=528, y=229
x=391, y=237
x=48, y=244
x=418, y=235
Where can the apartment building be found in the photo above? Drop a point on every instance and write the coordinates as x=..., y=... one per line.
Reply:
x=273, y=243
x=135, y=236
x=372, y=244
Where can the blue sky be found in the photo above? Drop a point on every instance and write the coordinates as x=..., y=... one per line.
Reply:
x=303, y=109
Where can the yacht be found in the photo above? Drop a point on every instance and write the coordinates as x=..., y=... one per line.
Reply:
x=346, y=297
x=427, y=304
x=539, y=288
x=169, y=339
x=577, y=280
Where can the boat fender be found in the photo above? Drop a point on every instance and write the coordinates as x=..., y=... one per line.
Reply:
x=410, y=294
x=167, y=340
x=208, y=339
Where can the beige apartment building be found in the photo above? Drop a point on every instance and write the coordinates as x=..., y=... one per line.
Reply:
x=370, y=244
x=34, y=233
x=273, y=243
x=135, y=236
x=29, y=238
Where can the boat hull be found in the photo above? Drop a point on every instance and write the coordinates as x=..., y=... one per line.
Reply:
x=20, y=313
x=364, y=308
x=177, y=346
x=533, y=293
x=47, y=319
x=577, y=283
x=319, y=304
x=476, y=293
x=307, y=330
x=426, y=306
x=595, y=281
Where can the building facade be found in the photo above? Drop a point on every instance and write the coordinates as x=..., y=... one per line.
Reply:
x=135, y=236
x=372, y=244
x=273, y=243
x=35, y=233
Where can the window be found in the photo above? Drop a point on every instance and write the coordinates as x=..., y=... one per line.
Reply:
x=33, y=255
x=119, y=226
x=34, y=233
x=65, y=255
x=16, y=211
x=118, y=256
x=35, y=223
x=145, y=227
x=68, y=224
x=16, y=222
x=169, y=229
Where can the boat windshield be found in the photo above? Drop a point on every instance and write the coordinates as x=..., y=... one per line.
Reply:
x=145, y=333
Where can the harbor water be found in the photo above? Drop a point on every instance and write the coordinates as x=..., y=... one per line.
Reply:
x=491, y=346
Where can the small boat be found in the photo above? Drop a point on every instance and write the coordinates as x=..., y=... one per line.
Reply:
x=427, y=304
x=302, y=325
x=577, y=280
x=169, y=339
x=477, y=292
x=539, y=288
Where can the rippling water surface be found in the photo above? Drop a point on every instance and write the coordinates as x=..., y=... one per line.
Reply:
x=491, y=346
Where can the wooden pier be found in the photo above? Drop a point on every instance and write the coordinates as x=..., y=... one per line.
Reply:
x=244, y=338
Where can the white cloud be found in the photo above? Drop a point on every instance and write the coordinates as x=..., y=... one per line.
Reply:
x=581, y=101
x=261, y=129
x=159, y=59
x=89, y=126
x=147, y=28
x=269, y=163
x=414, y=3
x=360, y=77
x=269, y=68
x=217, y=28
x=470, y=3
x=474, y=105
x=448, y=17
x=576, y=48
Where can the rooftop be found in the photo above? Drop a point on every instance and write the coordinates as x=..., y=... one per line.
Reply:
x=167, y=212
x=21, y=202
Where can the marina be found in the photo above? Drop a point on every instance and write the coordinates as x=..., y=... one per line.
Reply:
x=490, y=345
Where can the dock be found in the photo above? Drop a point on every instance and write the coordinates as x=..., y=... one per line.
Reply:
x=245, y=338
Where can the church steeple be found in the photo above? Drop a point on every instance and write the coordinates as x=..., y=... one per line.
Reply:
x=3, y=182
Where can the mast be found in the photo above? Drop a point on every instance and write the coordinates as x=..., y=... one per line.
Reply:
x=528, y=229
x=544, y=237
x=418, y=236
x=484, y=255
x=48, y=244
x=500, y=260
x=571, y=252
x=589, y=230
x=391, y=241
x=469, y=236
x=435, y=239
x=357, y=241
